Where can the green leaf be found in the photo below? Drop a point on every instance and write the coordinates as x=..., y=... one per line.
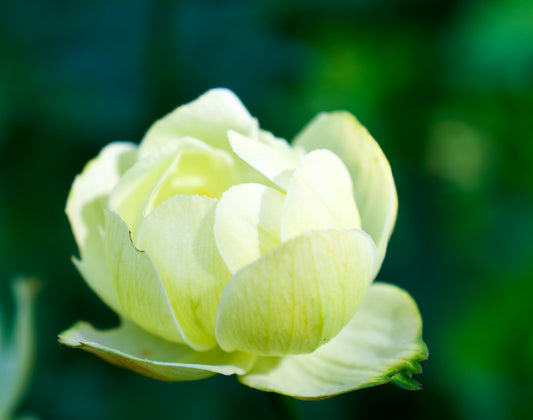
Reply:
x=86, y=202
x=207, y=118
x=319, y=197
x=17, y=351
x=404, y=379
x=178, y=235
x=133, y=348
x=248, y=223
x=298, y=296
x=383, y=338
x=374, y=190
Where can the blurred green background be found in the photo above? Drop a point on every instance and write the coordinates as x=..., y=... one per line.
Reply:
x=445, y=87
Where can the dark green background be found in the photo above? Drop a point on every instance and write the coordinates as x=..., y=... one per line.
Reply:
x=445, y=87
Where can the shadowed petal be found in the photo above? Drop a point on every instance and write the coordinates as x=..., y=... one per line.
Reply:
x=133, y=348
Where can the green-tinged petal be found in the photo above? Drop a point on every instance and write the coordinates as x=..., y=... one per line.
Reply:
x=272, y=157
x=319, y=197
x=85, y=209
x=131, y=347
x=374, y=190
x=178, y=235
x=90, y=189
x=18, y=350
x=207, y=118
x=298, y=296
x=184, y=166
x=95, y=272
x=248, y=223
x=142, y=296
x=130, y=198
x=383, y=340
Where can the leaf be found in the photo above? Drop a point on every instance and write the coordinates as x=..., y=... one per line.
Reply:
x=18, y=351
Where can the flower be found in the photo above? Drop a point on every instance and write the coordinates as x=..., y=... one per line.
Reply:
x=225, y=250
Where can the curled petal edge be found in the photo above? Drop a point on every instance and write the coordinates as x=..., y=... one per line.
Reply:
x=382, y=343
x=130, y=347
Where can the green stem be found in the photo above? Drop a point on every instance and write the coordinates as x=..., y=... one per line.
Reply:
x=284, y=407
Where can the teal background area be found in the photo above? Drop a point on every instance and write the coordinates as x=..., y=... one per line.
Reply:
x=445, y=87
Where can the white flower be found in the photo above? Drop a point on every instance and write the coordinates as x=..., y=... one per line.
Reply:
x=225, y=250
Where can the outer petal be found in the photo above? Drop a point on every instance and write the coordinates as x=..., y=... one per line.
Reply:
x=248, y=223
x=142, y=297
x=85, y=209
x=319, y=197
x=382, y=342
x=207, y=118
x=130, y=347
x=298, y=296
x=178, y=235
x=90, y=189
x=174, y=169
x=374, y=190
x=272, y=157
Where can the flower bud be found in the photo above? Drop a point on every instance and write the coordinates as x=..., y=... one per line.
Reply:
x=225, y=250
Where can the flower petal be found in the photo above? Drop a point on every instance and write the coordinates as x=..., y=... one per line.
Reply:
x=298, y=296
x=272, y=157
x=374, y=190
x=139, y=288
x=174, y=169
x=383, y=340
x=319, y=197
x=91, y=188
x=248, y=223
x=178, y=235
x=131, y=347
x=85, y=209
x=207, y=118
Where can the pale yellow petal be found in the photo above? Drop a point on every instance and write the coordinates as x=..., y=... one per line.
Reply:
x=248, y=223
x=382, y=341
x=207, y=118
x=298, y=296
x=86, y=202
x=374, y=190
x=91, y=188
x=270, y=156
x=141, y=293
x=185, y=166
x=130, y=347
x=178, y=235
x=319, y=197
